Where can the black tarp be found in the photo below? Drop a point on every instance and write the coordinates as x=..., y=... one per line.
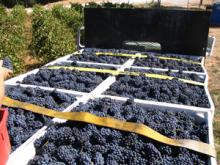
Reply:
x=178, y=31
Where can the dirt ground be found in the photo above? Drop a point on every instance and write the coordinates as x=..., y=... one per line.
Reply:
x=213, y=62
x=186, y=3
x=213, y=67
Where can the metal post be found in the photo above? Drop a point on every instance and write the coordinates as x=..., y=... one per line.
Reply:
x=200, y=4
x=78, y=41
x=201, y=1
x=159, y=3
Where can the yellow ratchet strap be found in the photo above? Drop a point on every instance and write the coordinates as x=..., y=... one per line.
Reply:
x=116, y=72
x=120, y=54
x=76, y=53
x=164, y=77
x=158, y=76
x=82, y=69
x=178, y=59
x=145, y=56
x=110, y=122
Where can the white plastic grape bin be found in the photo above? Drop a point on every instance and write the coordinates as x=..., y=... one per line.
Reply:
x=79, y=97
x=82, y=96
x=111, y=79
x=209, y=53
x=201, y=59
x=27, y=151
x=27, y=148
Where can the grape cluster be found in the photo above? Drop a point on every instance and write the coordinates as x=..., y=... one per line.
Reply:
x=22, y=124
x=151, y=61
x=66, y=79
x=90, y=56
x=171, y=91
x=74, y=143
x=185, y=57
x=172, y=124
x=87, y=144
x=49, y=99
x=7, y=63
x=179, y=74
x=155, y=62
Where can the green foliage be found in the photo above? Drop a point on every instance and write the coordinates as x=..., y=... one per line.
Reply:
x=116, y=5
x=153, y=5
x=51, y=29
x=2, y=11
x=92, y=5
x=53, y=32
x=13, y=40
x=11, y=3
x=19, y=14
x=51, y=38
x=77, y=7
x=69, y=17
x=126, y=5
x=26, y=3
x=108, y=5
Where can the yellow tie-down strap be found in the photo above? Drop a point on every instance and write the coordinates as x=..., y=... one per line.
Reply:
x=139, y=55
x=82, y=69
x=116, y=72
x=77, y=53
x=164, y=77
x=110, y=122
x=121, y=54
